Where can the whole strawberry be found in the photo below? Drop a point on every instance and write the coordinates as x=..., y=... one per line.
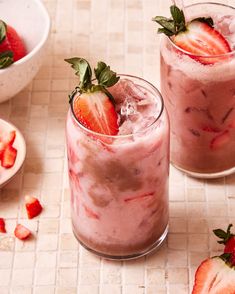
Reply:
x=228, y=239
x=12, y=47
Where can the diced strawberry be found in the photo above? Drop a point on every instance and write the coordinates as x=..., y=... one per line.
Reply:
x=11, y=138
x=90, y=213
x=14, y=43
x=214, y=276
x=211, y=129
x=202, y=39
x=22, y=232
x=220, y=140
x=33, y=206
x=96, y=112
x=139, y=197
x=2, y=226
x=9, y=156
x=2, y=148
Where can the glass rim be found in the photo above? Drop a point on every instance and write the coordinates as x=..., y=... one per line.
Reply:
x=96, y=134
x=205, y=56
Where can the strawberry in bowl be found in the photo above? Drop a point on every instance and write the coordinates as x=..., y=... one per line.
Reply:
x=12, y=47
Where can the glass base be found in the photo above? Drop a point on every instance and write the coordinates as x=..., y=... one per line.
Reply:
x=206, y=175
x=151, y=249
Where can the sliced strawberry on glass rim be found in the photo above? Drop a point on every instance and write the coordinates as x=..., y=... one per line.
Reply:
x=197, y=38
x=96, y=112
x=92, y=104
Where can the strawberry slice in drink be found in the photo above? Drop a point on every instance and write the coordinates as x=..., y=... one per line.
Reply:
x=197, y=38
x=220, y=140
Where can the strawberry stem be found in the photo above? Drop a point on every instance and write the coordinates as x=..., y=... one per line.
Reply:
x=225, y=236
x=104, y=75
x=177, y=24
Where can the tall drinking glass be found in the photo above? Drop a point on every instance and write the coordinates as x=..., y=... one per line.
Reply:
x=200, y=99
x=119, y=184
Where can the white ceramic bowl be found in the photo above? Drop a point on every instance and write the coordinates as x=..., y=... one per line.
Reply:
x=7, y=174
x=32, y=22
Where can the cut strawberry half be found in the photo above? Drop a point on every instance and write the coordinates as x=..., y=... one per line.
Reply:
x=96, y=112
x=9, y=156
x=214, y=276
x=2, y=225
x=220, y=140
x=33, y=206
x=22, y=232
x=202, y=39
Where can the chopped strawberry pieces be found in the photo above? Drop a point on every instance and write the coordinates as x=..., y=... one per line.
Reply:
x=22, y=232
x=33, y=206
x=220, y=140
x=7, y=152
x=210, y=129
x=9, y=156
x=139, y=197
x=90, y=213
x=2, y=226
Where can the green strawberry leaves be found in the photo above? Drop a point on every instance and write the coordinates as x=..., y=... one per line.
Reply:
x=104, y=75
x=6, y=59
x=177, y=23
x=83, y=70
x=3, y=31
x=225, y=236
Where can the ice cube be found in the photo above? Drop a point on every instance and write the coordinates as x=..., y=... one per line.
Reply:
x=128, y=108
x=232, y=26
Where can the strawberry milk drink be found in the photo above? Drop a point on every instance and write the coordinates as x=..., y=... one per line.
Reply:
x=118, y=159
x=198, y=86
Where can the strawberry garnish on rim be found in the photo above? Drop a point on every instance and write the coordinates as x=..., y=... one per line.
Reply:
x=197, y=37
x=92, y=104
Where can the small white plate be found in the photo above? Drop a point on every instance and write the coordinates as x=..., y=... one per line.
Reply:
x=19, y=144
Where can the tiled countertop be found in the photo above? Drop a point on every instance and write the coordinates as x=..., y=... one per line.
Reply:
x=121, y=33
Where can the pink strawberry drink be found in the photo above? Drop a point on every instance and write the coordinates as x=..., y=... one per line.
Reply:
x=200, y=98
x=119, y=184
